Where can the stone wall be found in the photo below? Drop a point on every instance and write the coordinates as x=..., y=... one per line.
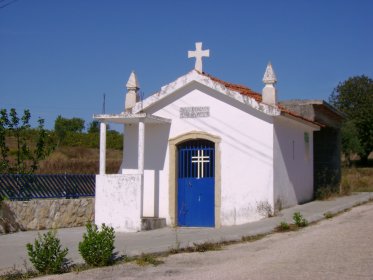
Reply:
x=40, y=214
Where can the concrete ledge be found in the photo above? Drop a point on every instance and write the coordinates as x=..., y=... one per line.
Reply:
x=150, y=223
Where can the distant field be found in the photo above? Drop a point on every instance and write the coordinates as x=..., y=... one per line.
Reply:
x=358, y=179
x=78, y=160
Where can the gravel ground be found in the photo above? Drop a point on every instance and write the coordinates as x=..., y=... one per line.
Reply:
x=338, y=248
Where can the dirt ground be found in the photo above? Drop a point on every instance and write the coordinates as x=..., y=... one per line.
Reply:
x=338, y=248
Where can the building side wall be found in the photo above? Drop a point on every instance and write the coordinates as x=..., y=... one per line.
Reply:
x=293, y=163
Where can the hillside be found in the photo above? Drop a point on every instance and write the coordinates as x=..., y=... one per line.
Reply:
x=79, y=160
x=77, y=154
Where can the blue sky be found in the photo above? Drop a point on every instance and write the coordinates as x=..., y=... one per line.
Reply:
x=61, y=56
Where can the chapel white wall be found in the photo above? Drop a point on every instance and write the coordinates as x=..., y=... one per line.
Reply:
x=293, y=162
x=156, y=143
x=246, y=151
x=118, y=201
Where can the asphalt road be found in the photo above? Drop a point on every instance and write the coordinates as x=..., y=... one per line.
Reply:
x=338, y=248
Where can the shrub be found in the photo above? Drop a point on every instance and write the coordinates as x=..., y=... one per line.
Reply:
x=328, y=215
x=284, y=226
x=97, y=245
x=299, y=220
x=264, y=208
x=46, y=254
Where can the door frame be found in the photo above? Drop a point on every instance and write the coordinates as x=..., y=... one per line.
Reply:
x=172, y=145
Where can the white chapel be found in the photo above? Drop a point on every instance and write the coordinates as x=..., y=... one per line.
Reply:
x=202, y=152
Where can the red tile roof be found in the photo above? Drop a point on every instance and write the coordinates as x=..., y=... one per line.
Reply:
x=257, y=96
x=239, y=88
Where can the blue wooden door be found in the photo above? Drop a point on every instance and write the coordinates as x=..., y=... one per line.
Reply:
x=196, y=184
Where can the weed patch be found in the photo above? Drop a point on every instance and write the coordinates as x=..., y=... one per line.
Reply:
x=299, y=220
x=206, y=246
x=148, y=259
x=15, y=274
x=284, y=227
x=264, y=208
x=252, y=238
x=328, y=215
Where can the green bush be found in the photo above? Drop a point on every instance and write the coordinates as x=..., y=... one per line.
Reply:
x=328, y=215
x=97, y=245
x=284, y=226
x=46, y=254
x=114, y=140
x=299, y=220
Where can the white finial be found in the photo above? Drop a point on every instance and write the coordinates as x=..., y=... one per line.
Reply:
x=269, y=95
x=198, y=54
x=132, y=81
x=132, y=96
x=269, y=75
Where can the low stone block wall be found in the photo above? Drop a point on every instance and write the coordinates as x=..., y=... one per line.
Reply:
x=40, y=214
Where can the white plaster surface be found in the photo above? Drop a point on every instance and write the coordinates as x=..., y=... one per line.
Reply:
x=293, y=162
x=102, y=148
x=118, y=201
x=246, y=151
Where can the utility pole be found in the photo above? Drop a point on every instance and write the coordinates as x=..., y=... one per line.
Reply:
x=103, y=104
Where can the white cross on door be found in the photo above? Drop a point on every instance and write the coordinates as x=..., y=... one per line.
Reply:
x=200, y=159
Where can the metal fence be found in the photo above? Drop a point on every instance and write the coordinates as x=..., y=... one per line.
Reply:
x=25, y=187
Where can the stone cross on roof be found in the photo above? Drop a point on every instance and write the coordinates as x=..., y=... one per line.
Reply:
x=198, y=54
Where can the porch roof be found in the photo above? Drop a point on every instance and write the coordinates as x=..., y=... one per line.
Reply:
x=129, y=118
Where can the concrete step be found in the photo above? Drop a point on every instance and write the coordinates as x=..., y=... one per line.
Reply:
x=150, y=223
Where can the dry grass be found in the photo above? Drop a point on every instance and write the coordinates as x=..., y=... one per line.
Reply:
x=78, y=160
x=359, y=179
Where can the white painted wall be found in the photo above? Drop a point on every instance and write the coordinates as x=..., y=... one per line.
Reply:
x=293, y=162
x=156, y=144
x=246, y=150
x=118, y=202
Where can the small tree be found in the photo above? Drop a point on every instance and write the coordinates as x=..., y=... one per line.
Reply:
x=63, y=126
x=350, y=141
x=94, y=127
x=354, y=97
x=98, y=245
x=26, y=157
x=46, y=254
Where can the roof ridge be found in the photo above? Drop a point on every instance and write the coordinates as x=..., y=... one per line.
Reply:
x=237, y=87
x=257, y=96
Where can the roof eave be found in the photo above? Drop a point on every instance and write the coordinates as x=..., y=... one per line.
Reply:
x=129, y=118
x=305, y=121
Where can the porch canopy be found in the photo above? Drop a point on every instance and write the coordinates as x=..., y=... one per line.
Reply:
x=126, y=118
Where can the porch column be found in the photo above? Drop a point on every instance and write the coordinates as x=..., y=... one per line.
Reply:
x=141, y=147
x=140, y=163
x=102, y=148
